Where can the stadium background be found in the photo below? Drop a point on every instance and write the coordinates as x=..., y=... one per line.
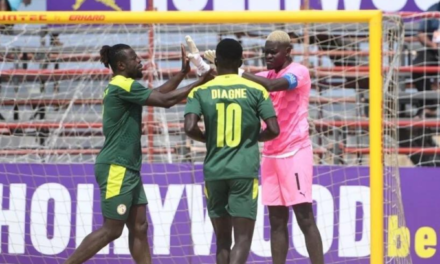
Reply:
x=419, y=184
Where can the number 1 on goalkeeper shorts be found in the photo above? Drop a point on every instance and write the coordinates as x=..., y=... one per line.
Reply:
x=229, y=130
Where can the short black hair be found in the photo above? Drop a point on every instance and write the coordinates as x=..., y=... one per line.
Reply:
x=229, y=50
x=110, y=55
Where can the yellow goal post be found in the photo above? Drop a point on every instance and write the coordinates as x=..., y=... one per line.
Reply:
x=372, y=17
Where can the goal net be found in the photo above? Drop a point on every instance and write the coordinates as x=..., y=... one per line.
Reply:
x=50, y=109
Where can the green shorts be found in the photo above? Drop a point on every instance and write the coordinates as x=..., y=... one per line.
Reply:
x=234, y=197
x=120, y=189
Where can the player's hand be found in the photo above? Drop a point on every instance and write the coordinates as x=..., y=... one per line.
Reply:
x=210, y=55
x=195, y=57
x=186, y=68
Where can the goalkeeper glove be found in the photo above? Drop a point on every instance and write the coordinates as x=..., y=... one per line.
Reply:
x=210, y=55
x=195, y=58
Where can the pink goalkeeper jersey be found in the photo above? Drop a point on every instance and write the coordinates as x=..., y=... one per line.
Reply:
x=291, y=107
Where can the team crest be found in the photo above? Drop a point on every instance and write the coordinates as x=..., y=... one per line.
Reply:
x=121, y=209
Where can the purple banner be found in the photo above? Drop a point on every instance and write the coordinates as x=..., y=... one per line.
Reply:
x=89, y=5
x=47, y=209
x=389, y=6
x=239, y=5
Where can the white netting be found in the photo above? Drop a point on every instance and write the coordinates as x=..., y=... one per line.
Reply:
x=418, y=85
x=51, y=90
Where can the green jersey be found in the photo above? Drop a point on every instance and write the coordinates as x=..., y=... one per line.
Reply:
x=231, y=107
x=122, y=123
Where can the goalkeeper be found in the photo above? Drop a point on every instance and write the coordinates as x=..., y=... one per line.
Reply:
x=117, y=167
x=232, y=108
x=287, y=163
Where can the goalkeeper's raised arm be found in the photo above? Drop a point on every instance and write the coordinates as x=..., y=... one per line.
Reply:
x=277, y=54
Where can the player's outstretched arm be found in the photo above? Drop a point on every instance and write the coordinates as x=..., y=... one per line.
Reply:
x=192, y=129
x=287, y=82
x=272, y=130
x=174, y=82
x=169, y=99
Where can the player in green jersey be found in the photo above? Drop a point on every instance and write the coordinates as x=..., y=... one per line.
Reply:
x=117, y=167
x=231, y=107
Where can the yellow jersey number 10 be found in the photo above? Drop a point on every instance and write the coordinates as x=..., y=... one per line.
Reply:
x=228, y=124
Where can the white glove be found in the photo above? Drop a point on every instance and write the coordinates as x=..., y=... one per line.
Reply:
x=210, y=55
x=195, y=57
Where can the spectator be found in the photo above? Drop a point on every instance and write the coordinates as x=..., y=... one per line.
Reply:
x=414, y=137
x=10, y=5
x=429, y=37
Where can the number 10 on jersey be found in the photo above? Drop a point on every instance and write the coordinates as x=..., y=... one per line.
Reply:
x=228, y=125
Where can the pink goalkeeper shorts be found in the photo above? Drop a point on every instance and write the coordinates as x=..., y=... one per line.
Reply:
x=288, y=181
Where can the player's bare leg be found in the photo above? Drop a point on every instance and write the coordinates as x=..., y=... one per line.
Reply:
x=223, y=232
x=3, y=5
x=243, y=232
x=306, y=222
x=110, y=3
x=78, y=4
x=137, y=237
x=95, y=241
x=279, y=234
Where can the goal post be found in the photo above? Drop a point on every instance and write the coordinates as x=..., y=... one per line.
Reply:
x=373, y=18
x=184, y=17
x=376, y=135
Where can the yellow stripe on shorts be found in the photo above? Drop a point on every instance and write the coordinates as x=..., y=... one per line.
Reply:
x=114, y=180
x=255, y=189
x=206, y=192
